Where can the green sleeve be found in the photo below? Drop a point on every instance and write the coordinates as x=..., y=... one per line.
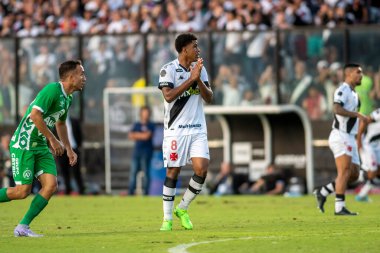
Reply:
x=45, y=99
x=64, y=116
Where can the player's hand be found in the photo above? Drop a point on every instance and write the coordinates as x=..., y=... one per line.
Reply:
x=73, y=157
x=364, y=118
x=57, y=147
x=195, y=71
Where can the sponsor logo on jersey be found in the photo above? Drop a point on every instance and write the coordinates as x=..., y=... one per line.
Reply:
x=15, y=168
x=189, y=125
x=179, y=70
x=27, y=174
x=173, y=156
x=189, y=92
x=51, y=119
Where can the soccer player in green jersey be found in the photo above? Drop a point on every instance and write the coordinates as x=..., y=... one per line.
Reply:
x=30, y=153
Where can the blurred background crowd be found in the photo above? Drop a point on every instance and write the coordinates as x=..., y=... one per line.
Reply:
x=242, y=65
x=40, y=17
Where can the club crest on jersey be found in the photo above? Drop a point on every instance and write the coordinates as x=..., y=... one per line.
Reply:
x=163, y=73
x=27, y=174
x=349, y=148
x=173, y=156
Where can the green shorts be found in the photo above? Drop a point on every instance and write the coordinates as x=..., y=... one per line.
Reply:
x=27, y=164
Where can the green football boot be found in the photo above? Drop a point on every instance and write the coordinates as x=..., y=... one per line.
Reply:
x=184, y=217
x=167, y=225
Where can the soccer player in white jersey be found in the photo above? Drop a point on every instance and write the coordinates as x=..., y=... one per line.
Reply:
x=368, y=140
x=342, y=139
x=184, y=85
x=30, y=154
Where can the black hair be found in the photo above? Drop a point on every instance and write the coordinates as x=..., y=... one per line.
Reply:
x=66, y=67
x=351, y=65
x=183, y=40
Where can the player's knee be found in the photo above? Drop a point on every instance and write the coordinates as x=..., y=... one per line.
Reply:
x=50, y=188
x=172, y=173
x=371, y=175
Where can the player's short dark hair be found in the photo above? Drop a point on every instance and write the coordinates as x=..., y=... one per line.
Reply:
x=66, y=67
x=350, y=66
x=183, y=40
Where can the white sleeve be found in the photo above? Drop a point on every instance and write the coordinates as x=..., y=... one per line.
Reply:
x=204, y=76
x=340, y=96
x=166, y=78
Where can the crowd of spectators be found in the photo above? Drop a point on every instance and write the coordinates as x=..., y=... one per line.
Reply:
x=244, y=71
x=41, y=17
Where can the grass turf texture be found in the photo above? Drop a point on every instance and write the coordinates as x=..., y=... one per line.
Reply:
x=245, y=223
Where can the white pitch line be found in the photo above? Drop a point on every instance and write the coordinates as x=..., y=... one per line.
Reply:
x=182, y=248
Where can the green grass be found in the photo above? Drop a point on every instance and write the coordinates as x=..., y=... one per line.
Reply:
x=227, y=224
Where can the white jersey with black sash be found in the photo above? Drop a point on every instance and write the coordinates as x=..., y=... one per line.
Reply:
x=185, y=114
x=349, y=100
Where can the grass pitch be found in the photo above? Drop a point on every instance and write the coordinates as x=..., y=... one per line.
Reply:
x=221, y=224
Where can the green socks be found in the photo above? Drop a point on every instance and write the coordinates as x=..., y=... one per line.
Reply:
x=37, y=205
x=3, y=195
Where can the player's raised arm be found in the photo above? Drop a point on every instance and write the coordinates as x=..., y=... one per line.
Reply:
x=204, y=87
x=170, y=94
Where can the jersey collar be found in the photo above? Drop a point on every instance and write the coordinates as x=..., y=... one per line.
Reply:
x=349, y=86
x=63, y=90
x=179, y=64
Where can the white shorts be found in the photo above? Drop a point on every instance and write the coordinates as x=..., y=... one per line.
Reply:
x=342, y=143
x=370, y=156
x=178, y=150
